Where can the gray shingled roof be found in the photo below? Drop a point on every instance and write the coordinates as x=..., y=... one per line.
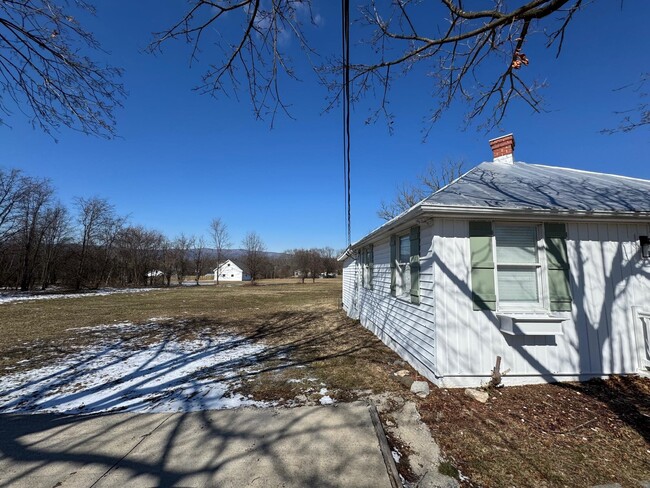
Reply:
x=532, y=186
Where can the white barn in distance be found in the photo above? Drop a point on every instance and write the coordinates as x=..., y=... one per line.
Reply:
x=546, y=267
x=229, y=271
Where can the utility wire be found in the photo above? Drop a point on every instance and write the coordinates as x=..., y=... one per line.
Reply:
x=345, y=38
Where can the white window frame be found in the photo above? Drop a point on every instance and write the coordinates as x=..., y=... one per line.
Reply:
x=543, y=303
x=402, y=269
x=365, y=268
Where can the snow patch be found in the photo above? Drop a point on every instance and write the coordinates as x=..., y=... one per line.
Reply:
x=326, y=400
x=28, y=296
x=396, y=455
x=168, y=376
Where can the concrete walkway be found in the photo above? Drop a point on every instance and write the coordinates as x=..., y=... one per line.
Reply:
x=307, y=446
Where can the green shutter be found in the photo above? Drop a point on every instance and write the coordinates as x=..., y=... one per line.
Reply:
x=558, y=267
x=371, y=264
x=393, y=257
x=415, y=264
x=480, y=244
x=363, y=265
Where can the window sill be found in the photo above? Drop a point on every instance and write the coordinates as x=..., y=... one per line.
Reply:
x=533, y=324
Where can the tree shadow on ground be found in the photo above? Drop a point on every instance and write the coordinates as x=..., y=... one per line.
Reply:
x=285, y=340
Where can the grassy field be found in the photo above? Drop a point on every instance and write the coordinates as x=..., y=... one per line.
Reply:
x=302, y=325
x=548, y=435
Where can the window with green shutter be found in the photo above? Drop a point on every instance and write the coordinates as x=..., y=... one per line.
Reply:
x=559, y=289
x=511, y=271
x=482, y=260
x=414, y=261
x=393, y=265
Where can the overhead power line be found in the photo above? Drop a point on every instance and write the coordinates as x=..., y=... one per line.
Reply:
x=345, y=37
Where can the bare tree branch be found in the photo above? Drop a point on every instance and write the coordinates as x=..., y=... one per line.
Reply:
x=45, y=73
x=431, y=180
x=638, y=116
x=256, y=52
x=474, y=55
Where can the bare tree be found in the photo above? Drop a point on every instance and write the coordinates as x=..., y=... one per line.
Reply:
x=330, y=264
x=33, y=226
x=137, y=250
x=476, y=56
x=431, y=180
x=182, y=247
x=167, y=260
x=98, y=227
x=199, y=258
x=315, y=264
x=254, y=255
x=57, y=232
x=301, y=262
x=13, y=189
x=221, y=239
x=45, y=73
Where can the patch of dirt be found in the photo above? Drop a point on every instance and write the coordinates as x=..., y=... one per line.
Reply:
x=565, y=434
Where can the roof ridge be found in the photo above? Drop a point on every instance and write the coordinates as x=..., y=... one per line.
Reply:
x=455, y=180
x=598, y=173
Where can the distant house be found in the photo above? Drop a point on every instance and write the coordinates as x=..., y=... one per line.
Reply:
x=230, y=271
x=546, y=267
x=155, y=276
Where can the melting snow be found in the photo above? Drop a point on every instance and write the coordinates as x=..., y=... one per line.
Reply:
x=396, y=455
x=326, y=400
x=169, y=376
x=27, y=296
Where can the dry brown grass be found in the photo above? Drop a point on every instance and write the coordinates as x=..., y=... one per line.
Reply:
x=308, y=338
x=306, y=334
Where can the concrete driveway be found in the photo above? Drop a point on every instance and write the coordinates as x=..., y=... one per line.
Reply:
x=307, y=446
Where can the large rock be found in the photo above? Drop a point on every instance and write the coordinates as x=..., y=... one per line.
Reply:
x=420, y=388
x=407, y=381
x=478, y=395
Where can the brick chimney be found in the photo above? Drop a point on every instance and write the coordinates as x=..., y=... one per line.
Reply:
x=503, y=149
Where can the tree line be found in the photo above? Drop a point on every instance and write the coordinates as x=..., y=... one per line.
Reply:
x=88, y=246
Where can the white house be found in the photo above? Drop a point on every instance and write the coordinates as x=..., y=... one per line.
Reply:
x=229, y=271
x=546, y=267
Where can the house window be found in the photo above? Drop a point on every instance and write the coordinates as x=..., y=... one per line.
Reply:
x=402, y=269
x=366, y=266
x=518, y=266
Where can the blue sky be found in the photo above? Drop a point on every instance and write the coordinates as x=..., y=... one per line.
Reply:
x=177, y=147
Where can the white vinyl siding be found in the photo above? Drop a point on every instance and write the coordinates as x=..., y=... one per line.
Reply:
x=349, y=287
x=451, y=344
x=607, y=279
x=405, y=327
x=229, y=271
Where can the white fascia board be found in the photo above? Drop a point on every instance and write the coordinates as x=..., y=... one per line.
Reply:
x=346, y=254
x=396, y=224
x=535, y=214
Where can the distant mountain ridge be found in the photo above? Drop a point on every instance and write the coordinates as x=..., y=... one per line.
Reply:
x=234, y=254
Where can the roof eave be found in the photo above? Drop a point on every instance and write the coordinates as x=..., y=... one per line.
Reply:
x=389, y=227
x=535, y=214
